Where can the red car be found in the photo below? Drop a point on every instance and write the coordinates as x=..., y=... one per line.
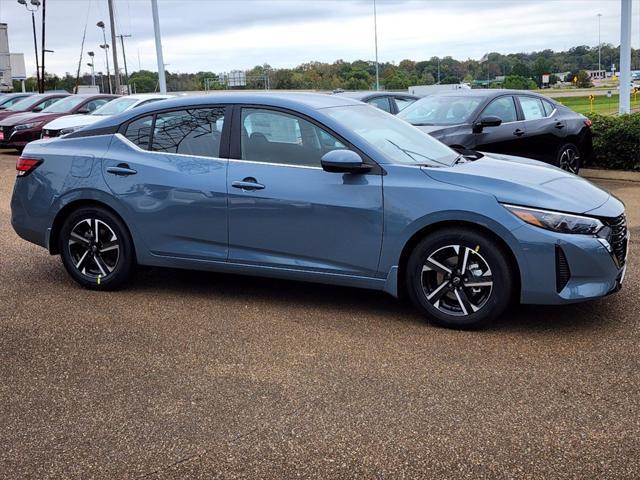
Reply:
x=21, y=128
x=32, y=103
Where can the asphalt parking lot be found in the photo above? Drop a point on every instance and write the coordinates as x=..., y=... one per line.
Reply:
x=197, y=375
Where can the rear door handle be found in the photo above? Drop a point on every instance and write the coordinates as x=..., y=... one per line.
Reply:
x=559, y=125
x=517, y=132
x=248, y=183
x=121, y=169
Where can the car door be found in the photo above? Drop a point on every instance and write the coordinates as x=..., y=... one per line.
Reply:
x=504, y=138
x=167, y=170
x=544, y=130
x=285, y=211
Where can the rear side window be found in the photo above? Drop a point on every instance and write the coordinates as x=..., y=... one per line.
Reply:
x=381, y=102
x=403, y=102
x=532, y=108
x=548, y=107
x=139, y=131
x=194, y=131
x=504, y=108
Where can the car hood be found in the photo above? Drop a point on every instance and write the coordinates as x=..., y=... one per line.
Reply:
x=77, y=120
x=525, y=182
x=8, y=113
x=28, y=117
x=436, y=130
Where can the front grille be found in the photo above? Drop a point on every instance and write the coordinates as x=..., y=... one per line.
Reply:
x=563, y=273
x=7, y=132
x=618, y=238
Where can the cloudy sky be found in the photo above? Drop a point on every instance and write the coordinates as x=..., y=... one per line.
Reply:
x=222, y=35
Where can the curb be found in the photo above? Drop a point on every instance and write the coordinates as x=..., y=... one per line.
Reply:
x=623, y=175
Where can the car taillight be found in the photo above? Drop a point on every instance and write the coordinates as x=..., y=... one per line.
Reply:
x=26, y=165
x=588, y=123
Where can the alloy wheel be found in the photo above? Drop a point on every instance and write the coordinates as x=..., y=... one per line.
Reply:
x=457, y=280
x=569, y=160
x=94, y=248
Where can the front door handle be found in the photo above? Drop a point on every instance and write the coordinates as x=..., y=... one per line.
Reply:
x=121, y=169
x=518, y=133
x=559, y=125
x=248, y=183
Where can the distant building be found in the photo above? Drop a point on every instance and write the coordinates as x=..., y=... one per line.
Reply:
x=11, y=64
x=597, y=74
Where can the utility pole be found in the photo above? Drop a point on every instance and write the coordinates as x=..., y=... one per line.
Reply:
x=93, y=72
x=33, y=10
x=42, y=79
x=625, y=56
x=124, y=57
x=114, y=49
x=375, y=33
x=599, y=45
x=105, y=46
x=156, y=29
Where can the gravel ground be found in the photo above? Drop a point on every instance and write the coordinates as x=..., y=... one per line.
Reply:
x=196, y=375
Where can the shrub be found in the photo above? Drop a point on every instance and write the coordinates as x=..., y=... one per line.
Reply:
x=616, y=141
x=517, y=82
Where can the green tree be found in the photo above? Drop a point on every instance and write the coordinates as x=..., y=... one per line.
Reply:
x=517, y=82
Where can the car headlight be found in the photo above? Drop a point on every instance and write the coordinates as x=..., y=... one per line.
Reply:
x=26, y=126
x=557, y=221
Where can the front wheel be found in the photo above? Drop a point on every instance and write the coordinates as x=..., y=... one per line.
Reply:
x=459, y=278
x=96, y=249
x=568, y=158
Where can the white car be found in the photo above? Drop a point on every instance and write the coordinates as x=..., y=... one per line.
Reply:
x=70, y=123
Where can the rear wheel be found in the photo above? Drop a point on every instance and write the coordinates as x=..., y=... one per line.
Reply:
x=96, y=249
x=568, y=158
x=459, y=278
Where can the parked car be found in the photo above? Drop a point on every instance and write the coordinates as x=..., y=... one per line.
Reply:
x=9, y=99
x=391, y=102
x=20, y=129
x=291, y=186
x=71, y=123
x=33, y=103
x=513, y=122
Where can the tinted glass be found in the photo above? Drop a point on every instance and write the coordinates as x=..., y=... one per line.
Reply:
x=548, y=107
x=504, y=108
x=63, y=105
x=381, y=102
x=139, y=131
x=441, y=110
x=116, y=106
x=194, y=131
x=532, y=108
x=395, y=138
x=403, y=102
x=278, y=137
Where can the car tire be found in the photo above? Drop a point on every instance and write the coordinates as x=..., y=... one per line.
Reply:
x=102, y=261
x=459, y=278
x=568, y=158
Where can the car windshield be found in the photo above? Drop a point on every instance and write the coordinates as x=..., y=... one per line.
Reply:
x=8, y=101
x=437, y=110
x=25, y=103
x=116, y=106
x=65, y=105
x=399, y=141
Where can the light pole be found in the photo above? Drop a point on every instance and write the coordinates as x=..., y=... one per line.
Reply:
x=156, y=29
x=35, y=4
x=124, y=57
x=101, y=82
x=105, y=46
x=375, y=34
x=93, y=72
x=599, y=46
x=625, y=56
x=114, y=49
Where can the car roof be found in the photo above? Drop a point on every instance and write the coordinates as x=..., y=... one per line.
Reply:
x=146, y=96
x=359, y=95
x=485, y=92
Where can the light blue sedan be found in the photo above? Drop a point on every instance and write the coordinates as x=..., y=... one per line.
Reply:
x=317, y=188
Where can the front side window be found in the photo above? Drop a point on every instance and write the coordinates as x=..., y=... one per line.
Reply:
x=441, y=110
x=395, y=138
x=548, y=108
x=195, y=131
x=532, y=108
x=381, y=102
x=504, y=108
x=139, y=131
x=277, y=137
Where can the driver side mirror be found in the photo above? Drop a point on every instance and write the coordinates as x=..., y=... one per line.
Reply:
x=343, y=161
x=37, y=109
x=486, y=122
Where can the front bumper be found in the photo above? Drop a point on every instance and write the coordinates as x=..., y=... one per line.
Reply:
x=587, y=269
x=12, y=138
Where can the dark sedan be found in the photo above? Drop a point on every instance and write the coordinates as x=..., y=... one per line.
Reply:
x=392, y=102
x=20, y=129
x=512, y=122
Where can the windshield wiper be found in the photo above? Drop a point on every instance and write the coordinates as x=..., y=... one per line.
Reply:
x=410, y=153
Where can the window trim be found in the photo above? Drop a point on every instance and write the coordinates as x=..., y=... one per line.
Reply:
x=516, y=105
x=235, y=151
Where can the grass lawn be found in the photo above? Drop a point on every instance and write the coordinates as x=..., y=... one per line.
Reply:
x=601, y=104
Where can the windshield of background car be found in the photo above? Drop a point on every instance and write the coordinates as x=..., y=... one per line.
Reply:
x=437, y=110
x=399, y=141
x=116, y=106
x=65, y=105
x=25, y=103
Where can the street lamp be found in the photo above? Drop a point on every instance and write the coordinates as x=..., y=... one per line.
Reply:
x=93, y=73
x=105, y=46
x=35, y=4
